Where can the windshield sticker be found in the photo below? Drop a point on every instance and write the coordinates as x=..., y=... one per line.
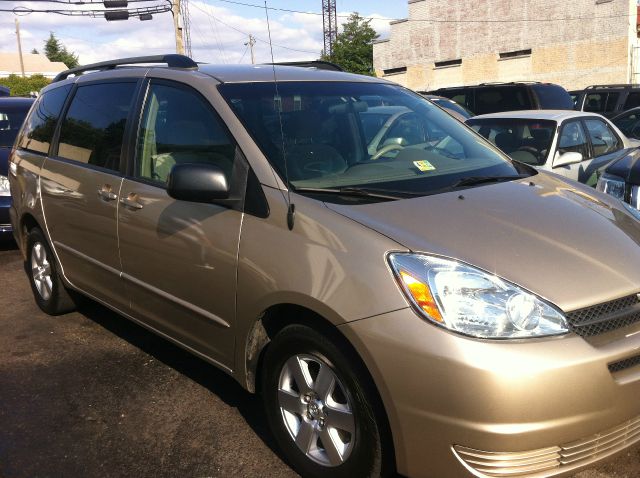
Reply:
x=424, y=165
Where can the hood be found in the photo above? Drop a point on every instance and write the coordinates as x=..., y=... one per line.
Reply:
x=627, y=167
x=561, y=240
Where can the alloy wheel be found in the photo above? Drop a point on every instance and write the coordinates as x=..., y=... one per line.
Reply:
x=316, y=410
x=41, y=271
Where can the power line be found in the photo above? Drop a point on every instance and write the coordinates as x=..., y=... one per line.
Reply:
x=434, y=20
x=246, y=33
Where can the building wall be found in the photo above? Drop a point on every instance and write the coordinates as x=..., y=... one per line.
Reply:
x=590, y=42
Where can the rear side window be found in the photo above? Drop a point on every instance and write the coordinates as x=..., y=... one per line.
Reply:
x=553, y=97
x=601, y=102
x=502, y=98
x=93, y=129
x=40, y=125
x=180, y=127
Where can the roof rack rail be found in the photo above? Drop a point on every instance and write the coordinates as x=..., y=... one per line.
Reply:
x=172, y=61
x=491, y=83
x=614, y=85
x=319, y=64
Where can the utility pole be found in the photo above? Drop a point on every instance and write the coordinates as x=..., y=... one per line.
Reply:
x=177, y=26
x=250, y=43
x=19, y=47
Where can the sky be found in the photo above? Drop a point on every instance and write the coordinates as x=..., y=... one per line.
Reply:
x=219, y=30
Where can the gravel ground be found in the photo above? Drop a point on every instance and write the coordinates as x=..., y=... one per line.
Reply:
x=90, y=394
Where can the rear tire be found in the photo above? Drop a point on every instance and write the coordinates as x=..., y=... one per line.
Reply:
x=320, y=413
x=48, y=290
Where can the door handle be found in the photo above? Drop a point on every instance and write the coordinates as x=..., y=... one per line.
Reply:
x=106, y=192
x=131, y=201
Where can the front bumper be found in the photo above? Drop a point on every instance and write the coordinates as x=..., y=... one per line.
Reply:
x=489, y=400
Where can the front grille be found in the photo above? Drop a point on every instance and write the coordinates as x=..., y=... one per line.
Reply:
x=554, y=459
x=605, y=317
x=624, y=364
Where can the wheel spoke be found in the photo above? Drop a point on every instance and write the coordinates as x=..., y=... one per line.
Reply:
x=330, y=447
x=300, y=374
x=340, y=419
x=46, y=289
x=307, y=436
x=290, y=402
x=324, y=382
x=46, y=269
x=37, y=251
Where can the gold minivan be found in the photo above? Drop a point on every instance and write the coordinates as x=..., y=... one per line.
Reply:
x=404, y=297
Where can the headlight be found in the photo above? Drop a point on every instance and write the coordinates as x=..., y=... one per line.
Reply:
x=473, y=302
x=4, y=186
x=612, y=185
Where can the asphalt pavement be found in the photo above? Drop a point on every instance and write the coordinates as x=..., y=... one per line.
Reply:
x=90, y=394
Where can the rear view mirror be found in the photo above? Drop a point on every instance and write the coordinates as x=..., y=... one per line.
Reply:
x=197, y=183
x=566, y=159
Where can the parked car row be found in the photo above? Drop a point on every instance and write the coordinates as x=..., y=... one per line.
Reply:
x=351, y=251
x=12, y=114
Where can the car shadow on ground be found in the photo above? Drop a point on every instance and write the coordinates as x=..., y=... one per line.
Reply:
x=196, y=369
x=8, y=245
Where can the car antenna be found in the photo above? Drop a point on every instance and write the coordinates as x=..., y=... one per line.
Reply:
x=291, y=208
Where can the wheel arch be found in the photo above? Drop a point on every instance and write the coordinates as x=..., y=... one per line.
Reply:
x=277, y=317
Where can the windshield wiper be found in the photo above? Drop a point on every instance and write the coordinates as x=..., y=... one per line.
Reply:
x=358, y=192
x=473, y=180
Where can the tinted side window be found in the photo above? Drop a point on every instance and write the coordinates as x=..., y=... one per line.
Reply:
x=573, y=139
x=179, y=127
x=93, y=128
x=603, y=139
x=594, y=102
x=612, y=101
x=633, y=100
x=629, y=124
x=553, y=97
x=40, y=125
x=503, y=98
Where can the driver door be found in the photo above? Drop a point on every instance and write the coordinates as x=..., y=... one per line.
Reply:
x=179, y=258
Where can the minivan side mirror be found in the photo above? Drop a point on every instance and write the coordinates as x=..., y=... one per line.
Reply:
x=197, y=182
x=565, y=159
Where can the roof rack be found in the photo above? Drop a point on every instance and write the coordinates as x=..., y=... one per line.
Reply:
x=490, y=83
x=613, y=85
x=319, y=64
x=172, y=61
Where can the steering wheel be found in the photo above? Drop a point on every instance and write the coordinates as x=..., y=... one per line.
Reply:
x=385, y=149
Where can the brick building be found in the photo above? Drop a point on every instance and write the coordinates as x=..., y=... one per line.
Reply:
x=450, y=43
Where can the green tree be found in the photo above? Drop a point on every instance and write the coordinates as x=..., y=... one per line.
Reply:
x=353, y=48
x=56, y=51
x=34, y=51
x=23, y=86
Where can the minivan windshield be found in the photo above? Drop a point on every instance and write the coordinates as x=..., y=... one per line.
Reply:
x=326, y=137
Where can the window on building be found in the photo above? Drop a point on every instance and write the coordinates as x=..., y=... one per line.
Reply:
x=395, y=71
x=447, y=63
x=93, y=129
x=515, y=54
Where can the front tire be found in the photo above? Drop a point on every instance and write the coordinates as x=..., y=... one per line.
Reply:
x=48, y=290
x=319, y=412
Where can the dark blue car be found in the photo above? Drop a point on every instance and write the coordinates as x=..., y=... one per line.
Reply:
x=12, y=113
